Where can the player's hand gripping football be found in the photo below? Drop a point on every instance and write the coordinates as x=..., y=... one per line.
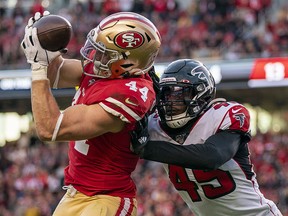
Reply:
x=34, y=53
x=140, y=136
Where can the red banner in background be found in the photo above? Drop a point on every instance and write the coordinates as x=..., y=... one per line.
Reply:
x=270, y=69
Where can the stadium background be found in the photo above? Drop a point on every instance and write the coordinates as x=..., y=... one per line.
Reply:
x=245, y=45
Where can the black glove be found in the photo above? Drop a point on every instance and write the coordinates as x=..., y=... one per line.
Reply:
x=156, y=86
x=140, y=136
x=155, y=80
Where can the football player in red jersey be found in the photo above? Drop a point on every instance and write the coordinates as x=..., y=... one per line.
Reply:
x=115, y=91
x=203, y=143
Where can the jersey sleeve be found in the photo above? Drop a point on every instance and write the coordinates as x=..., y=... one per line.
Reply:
x=237, y=119
x=128, y=99
x=240, y=118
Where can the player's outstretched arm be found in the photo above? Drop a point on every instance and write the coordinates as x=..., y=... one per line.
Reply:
x=217, y=150
x=60, y=72
x=77, y=122
x=49, y=69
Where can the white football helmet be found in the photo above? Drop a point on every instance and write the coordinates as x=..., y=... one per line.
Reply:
x=123, y=44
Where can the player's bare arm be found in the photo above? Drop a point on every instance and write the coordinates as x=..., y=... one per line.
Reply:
x=78, y=122
x=64, y=73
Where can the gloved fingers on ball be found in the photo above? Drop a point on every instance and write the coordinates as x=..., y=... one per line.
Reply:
x=30, y=22
x=34, y=38
x=27, y=40
x=36, y=17
x=23, y=46
x=46, y=13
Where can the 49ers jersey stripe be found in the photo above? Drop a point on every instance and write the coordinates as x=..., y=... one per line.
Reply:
x=122, y=106
x=114, y=112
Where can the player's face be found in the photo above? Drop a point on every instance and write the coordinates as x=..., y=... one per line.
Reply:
x=175, y=100
x=101, y=58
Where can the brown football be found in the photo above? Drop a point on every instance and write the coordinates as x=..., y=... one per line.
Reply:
x=54, y=32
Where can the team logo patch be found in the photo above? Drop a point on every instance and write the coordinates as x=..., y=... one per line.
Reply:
x=239, y=117
x=129, y=40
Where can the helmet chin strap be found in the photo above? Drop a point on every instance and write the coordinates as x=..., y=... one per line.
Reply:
x=96, y=67
x=96, y=70
x=97, y=64
x=178, y=123
x=179, y=120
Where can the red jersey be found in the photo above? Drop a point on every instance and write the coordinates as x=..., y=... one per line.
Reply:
x=103, y=165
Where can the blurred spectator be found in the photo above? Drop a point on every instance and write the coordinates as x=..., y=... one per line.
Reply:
x=3, y=9
x=125, y=5
x=204, y=29
x=110, y=6
x=18, y=14
x=37, y=7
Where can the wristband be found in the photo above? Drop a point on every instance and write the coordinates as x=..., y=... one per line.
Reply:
x=39, y=72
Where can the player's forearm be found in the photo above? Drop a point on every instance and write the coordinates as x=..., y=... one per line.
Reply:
x=208, y=156
x=44, y=107
x=193, y=156
x=70, y=74
x=64, y=73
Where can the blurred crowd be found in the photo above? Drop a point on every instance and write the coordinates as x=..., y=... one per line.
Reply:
x=31, y=172
x=216, y=29
x=31, y=177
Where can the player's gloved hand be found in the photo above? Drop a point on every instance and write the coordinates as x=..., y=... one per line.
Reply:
x=140, y=136
x=31, y=46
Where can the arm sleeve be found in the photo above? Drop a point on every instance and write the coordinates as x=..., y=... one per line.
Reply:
x=218, y=149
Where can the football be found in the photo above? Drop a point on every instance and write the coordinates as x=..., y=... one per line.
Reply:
x=54, y=32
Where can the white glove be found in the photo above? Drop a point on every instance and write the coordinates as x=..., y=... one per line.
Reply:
x=31, y=46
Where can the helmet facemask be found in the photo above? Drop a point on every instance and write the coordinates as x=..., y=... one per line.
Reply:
x=185, y=83
x=180, y=103
x=100, y=57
